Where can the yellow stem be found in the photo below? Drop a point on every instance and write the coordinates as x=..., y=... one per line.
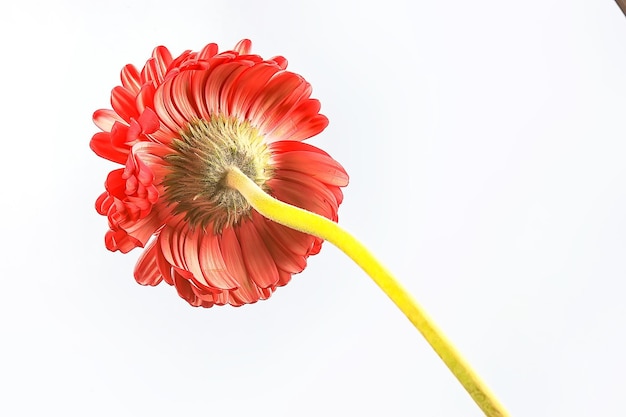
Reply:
x=321, y=227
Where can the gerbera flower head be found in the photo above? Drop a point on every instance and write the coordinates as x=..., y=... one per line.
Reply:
x=176, y=126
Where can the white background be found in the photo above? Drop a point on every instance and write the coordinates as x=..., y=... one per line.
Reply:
x=485, y=142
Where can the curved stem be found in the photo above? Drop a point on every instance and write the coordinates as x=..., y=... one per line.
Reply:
x=321, y=227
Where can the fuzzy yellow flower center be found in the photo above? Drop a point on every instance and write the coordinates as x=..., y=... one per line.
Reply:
x=198, y=165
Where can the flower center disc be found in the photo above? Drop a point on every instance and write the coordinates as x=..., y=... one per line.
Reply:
x=202, y=156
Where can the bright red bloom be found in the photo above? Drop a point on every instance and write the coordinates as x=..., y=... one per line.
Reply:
x=175, y=126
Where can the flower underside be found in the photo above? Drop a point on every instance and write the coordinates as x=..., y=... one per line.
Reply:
x=178, y=126
x=201, y=158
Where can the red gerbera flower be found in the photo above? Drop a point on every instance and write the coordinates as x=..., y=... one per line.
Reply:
x=176, y=127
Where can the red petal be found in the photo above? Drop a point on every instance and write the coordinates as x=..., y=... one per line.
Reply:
x=181, y=98
x=123, y=102
x=258, y=260
x=207, y=263
x=278, y=100
x=304, y=122
x=157, y=66
x=314, y=164
x=243, y=47
x=220, y=79
x=208, y=51
x=103, y=147
x=148, y=121
x=131, y=79
x=247, y=292
x=166, y=110
x=229, y=89
x=115, y=183
x=298, y=242
x=212, y=263
x=284, y=258
x=231, y=253
x=119, y=240
x=147, y=270
x=249, y=85
x=145, y=98
x=164, y=266
x=143, y=229
x=168, y=239
x=183, y=286
x=305, y=192
x=198, y=83
x=281, y=61
x=103, y=203
x=105, y=118
x=284, y=278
